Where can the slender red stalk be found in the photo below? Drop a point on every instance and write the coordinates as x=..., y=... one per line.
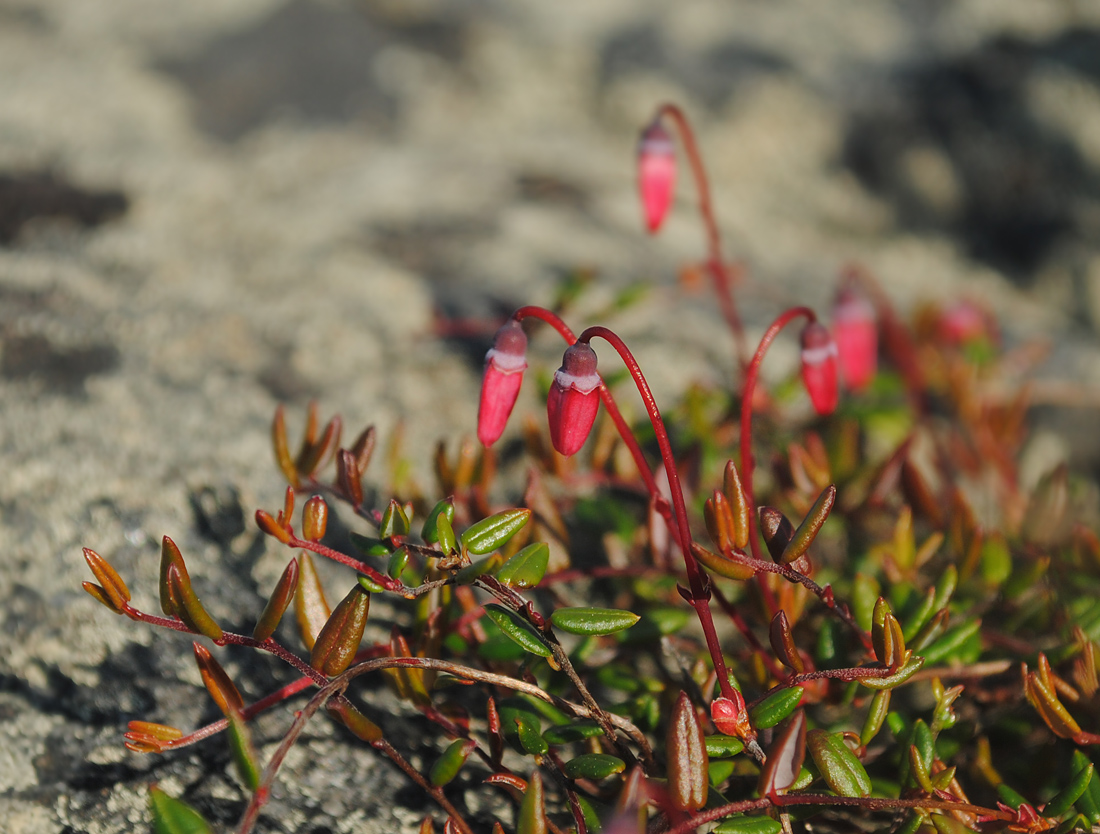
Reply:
x=609, y=404
x=716, y=264
x=700, y=593
x=751, y=376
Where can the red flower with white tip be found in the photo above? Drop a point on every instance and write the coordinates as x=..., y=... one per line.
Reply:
x=504, y=366
x=656, y=174
x=819, y=371
x=856, y=333
x=574, y=399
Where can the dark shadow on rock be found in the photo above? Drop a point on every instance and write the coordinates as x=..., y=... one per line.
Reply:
x=219, y=516
x=30, y=196
x=1015, y=187
x=62, y=370
x=310, y=60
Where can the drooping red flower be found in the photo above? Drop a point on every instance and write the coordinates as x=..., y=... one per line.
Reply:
x=656, y=174
x=855, y=330
x=574, y=399
x=504, y=366
x=819, y=371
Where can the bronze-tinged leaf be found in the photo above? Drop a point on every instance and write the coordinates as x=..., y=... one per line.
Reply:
x=811, y=525
x=531, y=818
x=739, y=506
x=785, y=757
x=348, y=477
x=271, y=527
x=310, y=606
x=282, y=449
x=170, y=555
x=687, y=757
x=109, y=580
x=363, y=449
x=189, y=609
x=277, y=603
x=496, y=735
x=339, y=640
x=409, y=681
x=100, y=595
x=719, y=520
x=218, y=683
x=359, y=725
x=721, y=565
x=776, y=530
x=783, y=643
x=314, y=519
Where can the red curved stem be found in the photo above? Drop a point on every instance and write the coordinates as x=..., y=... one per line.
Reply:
x=716, y=264
x=700, y=594
x=751, y=376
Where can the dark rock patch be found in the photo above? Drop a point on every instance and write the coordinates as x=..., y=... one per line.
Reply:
x=30, y=196
x=63, y=370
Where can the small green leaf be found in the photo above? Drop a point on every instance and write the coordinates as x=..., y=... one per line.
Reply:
x=370, y=546
x=1010, y=797
x=530, y=739
x=171, y=816
x=369, y=585
x=594, y=621
x=244, y=754
x=1074, y=823
x=518, y=629
x=1064, y=799
x=430, y=531
x=1089, y=801
x=398, y=562
x=880, y=705
x=749, y=825
x=450, y=763
x=722, y=747
x=951, y=643
x=775, y=707
x=568, y=733
x=446, y=533
x=493, y=532
x=593, y=766
x=527, y=567
x=719, y=771
x=394, y=521
x=839, y=767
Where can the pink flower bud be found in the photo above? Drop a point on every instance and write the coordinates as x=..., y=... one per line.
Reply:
x=856, y=333
x=504, y=366
x=656, y=174
x=963, y=322
x=574, y=399
x=730, y=717
x=819, y=372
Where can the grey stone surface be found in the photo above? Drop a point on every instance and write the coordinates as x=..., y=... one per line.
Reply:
x=207, y=208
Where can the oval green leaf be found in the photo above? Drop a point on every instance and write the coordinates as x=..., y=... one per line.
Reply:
x=722, y=747
x=518, y=629
x=838, y=765
x=1064, y=799
x=430, y=531
x=450, y=763
x=566, y=733
x=527, y=568
x=594, y=766
x=775, y=707
x=594, y=621
x=171, y=816
x=493, y=532
x=749, y=825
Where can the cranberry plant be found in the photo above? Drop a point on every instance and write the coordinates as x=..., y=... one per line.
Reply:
x=774, y=612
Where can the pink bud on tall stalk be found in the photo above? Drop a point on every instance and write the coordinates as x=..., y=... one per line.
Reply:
x=504, y=366
x=656, y=174
x=819, y=371
x=856, y=333
x=574, y=399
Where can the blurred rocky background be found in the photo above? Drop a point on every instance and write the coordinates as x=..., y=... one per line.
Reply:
x=208, y=208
